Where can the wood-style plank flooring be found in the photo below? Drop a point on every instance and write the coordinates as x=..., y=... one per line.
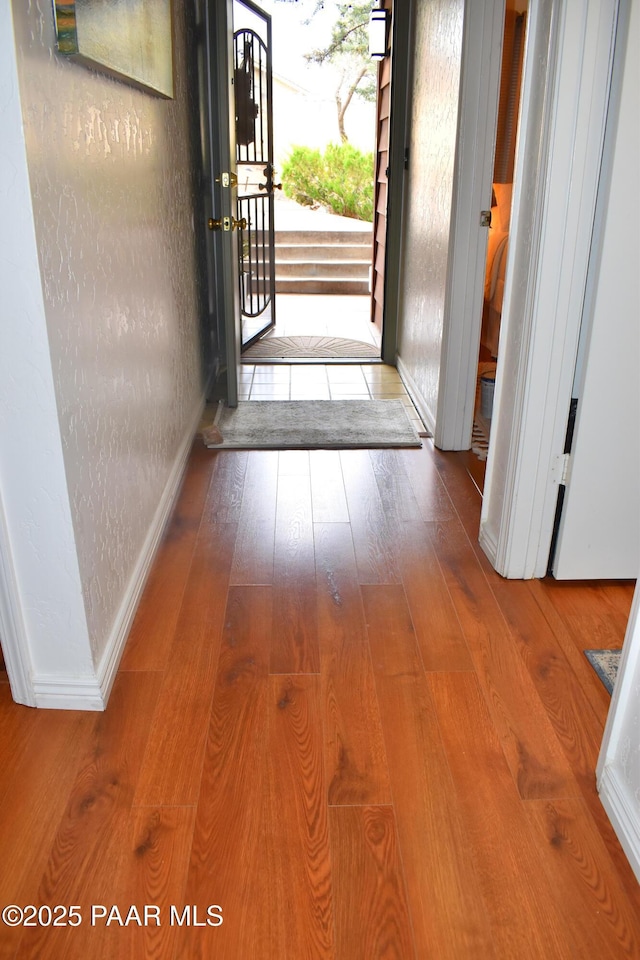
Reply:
x=336, y=725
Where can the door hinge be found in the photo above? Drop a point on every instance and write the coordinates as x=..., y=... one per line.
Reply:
x=566, y=469
x=562, y=469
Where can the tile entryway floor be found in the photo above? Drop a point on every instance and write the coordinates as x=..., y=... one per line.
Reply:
x=317, y=381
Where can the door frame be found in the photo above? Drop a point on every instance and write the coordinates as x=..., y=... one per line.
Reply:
x=220, y=84
x=222, y=153
x=483, y=36
x=558, y=166
x=606, y=545
x=401, y=75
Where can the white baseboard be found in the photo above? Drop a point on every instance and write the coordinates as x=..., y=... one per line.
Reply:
x=92, y=693
x=68, y=694
x=489, y=544
x=623, y=817
x=418, y=400
x=110, y=659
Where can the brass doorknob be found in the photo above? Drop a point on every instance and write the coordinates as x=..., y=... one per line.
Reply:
x=227, y=223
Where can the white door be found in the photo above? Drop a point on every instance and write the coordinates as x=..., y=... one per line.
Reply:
x=599, y=531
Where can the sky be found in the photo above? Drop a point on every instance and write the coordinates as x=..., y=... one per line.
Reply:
x=292, y=38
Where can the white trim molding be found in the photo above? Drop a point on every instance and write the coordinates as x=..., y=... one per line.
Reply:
x=43, y=617
x=61, y=693
x=618, y=772
x=558, y=166
x=623, y=814
x=13, y=634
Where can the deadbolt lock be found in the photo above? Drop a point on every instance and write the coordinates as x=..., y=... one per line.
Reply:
x=227, y=179
x=485, y=218
x=227, y=223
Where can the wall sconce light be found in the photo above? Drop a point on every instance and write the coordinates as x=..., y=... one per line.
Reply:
x=378, y=48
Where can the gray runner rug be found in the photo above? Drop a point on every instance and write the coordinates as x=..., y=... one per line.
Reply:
x=311, y=424
x=605, y=663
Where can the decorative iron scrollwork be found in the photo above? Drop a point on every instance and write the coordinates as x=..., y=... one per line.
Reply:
x=246, y=107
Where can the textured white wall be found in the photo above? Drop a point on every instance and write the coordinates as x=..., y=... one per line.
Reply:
x=111, y=179
x=434, y=115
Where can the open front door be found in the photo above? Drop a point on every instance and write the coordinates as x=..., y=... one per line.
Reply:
x=253, y=82
x=381, y=183
x=219, y=193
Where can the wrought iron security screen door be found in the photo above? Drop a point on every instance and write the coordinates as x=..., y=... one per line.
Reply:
x=253, y=85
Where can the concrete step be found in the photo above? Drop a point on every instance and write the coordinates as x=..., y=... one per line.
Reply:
x=323, y=261
x=308, y=270
x=339, y=269
x=314, y=237
x=323, y=251
x=323, y=285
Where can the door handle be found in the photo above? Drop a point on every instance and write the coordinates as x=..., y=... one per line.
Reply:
x=269, y=186
x=227, y=223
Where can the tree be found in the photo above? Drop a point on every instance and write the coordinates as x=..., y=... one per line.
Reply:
x=348, y=51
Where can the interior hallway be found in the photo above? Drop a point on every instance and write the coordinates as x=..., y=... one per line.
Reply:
x=335, y=721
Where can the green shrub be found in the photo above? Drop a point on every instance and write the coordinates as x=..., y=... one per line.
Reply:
x=341, y=179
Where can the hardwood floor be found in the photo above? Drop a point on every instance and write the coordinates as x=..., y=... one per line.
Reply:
x=335, y=725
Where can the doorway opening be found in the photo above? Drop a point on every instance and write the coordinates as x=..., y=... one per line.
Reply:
x=498, y=241
x=309, y=288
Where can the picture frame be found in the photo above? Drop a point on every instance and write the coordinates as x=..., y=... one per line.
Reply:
x=130, y=40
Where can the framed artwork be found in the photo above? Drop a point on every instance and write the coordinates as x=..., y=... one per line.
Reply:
x=127, y=39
